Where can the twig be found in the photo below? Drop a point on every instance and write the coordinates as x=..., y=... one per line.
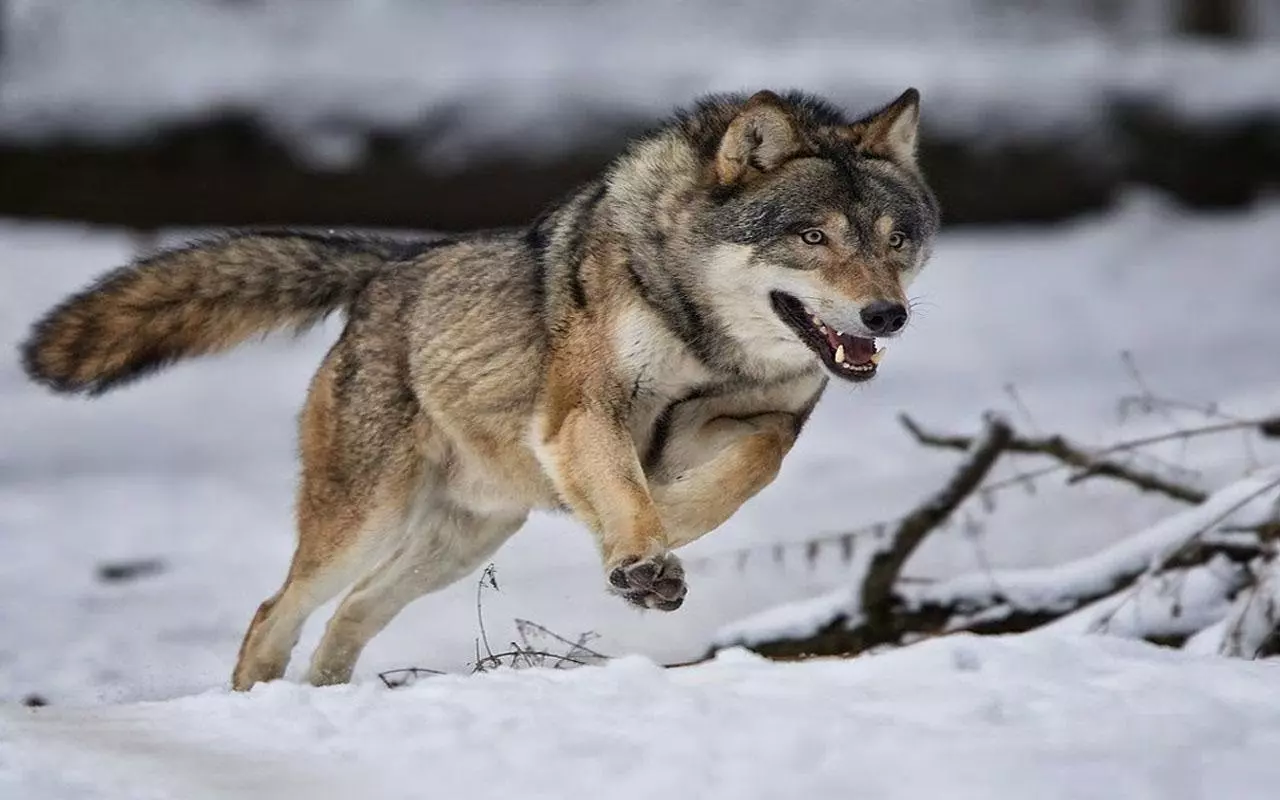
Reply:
x=1069, y=454
x=409, y=673
x=1146, y=399
x=495, y=659
x=886, y=565
x=487, y=578
x=580, y=646
x=1268, y=427
x=1023, y=410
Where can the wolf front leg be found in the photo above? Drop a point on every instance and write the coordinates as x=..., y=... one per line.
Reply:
x=592, y=460
x=708, y=472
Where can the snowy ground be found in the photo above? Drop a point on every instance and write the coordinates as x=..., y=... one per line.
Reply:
x=959, y=718
x=195, y=467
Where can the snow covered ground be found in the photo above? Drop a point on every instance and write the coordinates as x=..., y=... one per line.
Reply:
x=473, y=78
x=195, y=467
x=998, y=719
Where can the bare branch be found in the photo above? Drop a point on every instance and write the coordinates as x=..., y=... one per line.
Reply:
x=1267, y=427
x=488, y=579
x=396, y=678
x=886, y=565
x=576, y=649
x=495, y=660
x=1069, y=454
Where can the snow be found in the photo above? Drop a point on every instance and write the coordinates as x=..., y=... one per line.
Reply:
x=1250, y=622
x=1045, y=588
x=545, y=81
x=1015, y=717
x=1176, y=603
x=796, y=620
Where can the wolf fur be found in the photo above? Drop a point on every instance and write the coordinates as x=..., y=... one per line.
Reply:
x=643, y=355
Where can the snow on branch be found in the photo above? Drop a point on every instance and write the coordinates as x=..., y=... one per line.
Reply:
x=1205, y=577
x=1251, y=629
x=1179, y=538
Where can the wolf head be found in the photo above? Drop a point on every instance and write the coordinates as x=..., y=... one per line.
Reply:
x=803, y=229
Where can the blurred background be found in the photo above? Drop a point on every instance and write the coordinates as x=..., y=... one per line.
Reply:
x=465, y=114
x=1107, y=170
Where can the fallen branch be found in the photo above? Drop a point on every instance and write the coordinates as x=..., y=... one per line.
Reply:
x=1058, y=447
x=885, y=567
x=1015, y=601
x=1267, y=427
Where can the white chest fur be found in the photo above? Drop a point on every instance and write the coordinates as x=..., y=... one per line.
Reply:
x=655, y=366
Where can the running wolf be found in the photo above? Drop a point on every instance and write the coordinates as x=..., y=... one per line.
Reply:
x=642, y=355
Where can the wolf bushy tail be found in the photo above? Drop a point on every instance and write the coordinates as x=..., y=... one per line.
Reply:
x=203, y=298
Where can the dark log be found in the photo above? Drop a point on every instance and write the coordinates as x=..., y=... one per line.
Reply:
x=1213, y=19
x=233, y=170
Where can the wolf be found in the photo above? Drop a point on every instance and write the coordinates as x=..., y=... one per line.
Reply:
x=642, y=355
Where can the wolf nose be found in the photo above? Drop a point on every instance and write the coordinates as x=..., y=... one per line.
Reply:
x=882, y=317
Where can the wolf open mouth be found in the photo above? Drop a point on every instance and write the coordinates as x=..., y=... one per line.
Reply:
x=851, y=357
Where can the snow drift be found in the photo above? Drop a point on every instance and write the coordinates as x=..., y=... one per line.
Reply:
x=999, y=719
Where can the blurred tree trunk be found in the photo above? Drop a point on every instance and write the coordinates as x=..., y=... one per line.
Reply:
x=1217, y=19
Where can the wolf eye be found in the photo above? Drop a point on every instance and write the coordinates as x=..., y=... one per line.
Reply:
x=897, y=239
x=813, y=236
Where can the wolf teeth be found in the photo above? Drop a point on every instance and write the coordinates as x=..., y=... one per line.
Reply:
x=840, y=354
x=866, y=367
x=877, y=355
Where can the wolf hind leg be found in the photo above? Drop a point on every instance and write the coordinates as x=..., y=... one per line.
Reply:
x=274, y=631
x=358, y=475
x=434, y=553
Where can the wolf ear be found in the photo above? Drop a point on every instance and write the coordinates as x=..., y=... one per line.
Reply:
x=760, y=138
x=890, y=132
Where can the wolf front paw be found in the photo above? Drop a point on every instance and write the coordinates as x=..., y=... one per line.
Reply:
x=653, y=582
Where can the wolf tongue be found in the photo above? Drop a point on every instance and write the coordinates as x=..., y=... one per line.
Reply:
x=857, y=349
